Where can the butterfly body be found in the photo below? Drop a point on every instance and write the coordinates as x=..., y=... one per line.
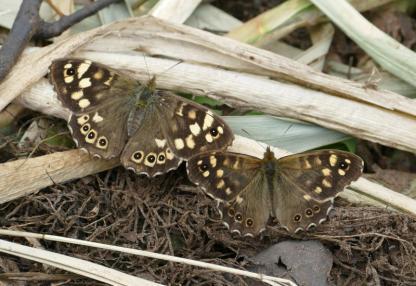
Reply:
x=297, y=190
x=114, y=115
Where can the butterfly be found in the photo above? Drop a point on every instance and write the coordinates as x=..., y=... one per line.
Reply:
x=298, y=190
x=112, y=114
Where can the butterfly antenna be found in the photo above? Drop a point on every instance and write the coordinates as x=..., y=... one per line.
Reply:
x=147, y=68
x=171, y=67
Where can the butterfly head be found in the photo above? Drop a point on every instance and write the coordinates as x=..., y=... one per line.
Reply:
x=269, y=155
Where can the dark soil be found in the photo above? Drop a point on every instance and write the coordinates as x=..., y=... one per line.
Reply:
x=370, y=246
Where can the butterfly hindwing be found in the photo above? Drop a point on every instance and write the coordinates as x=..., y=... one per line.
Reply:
x=147, y=151
x=293, y=210
x=242, y=214
x=94, y=132
x=192, y=128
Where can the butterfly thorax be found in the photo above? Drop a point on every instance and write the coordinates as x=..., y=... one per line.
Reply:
x=269, y=162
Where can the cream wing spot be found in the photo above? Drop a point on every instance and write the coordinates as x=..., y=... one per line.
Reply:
x=333, y=160
x=169, y=154
x=326, y=172
x=192, y=114
x=213, y=161
x=69, y=79
x=205, y=174
x=220, y=184
x=67, y=66
x=208, y=120
x=239, y=199
x=220, y=173
x=307, y=197
x=160, y=142
x=179, y=144
x=318, y=190
x=341, y=172
x=195, y=129
x=98, y=75
x=76, y=95
x=190, y=142
x=84, y=83
x=84, y=103
x=97, y=118
x=179, y=111
x=209, y=138
x=220, y=130
x=348, y=161
x=108, y=81
x=83, y=67
x=228, y=191
x=326, y=183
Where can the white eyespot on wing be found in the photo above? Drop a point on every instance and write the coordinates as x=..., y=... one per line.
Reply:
x=84, y=83
x=83, y=119
x=97, y=118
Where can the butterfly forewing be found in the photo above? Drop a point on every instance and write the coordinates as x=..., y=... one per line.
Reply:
x=223, y=175
x=320, y=174
x=191, y=128
x=99, y=100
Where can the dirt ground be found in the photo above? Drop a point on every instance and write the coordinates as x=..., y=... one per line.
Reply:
x=369, y=246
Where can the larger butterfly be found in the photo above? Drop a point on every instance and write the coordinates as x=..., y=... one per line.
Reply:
x=298, y=189
x=112, y=114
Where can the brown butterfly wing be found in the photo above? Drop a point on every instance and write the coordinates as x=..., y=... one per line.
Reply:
x=247, y=214
x=222, y=175
x=99, y=99
x=320, y=174
x=147, y=151
x=191, y=128
x=238, y=182
x=307, y=183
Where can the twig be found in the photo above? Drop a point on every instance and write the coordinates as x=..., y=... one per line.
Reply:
x=28, y=25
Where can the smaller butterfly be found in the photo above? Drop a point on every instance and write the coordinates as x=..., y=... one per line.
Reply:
x=297, y=189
